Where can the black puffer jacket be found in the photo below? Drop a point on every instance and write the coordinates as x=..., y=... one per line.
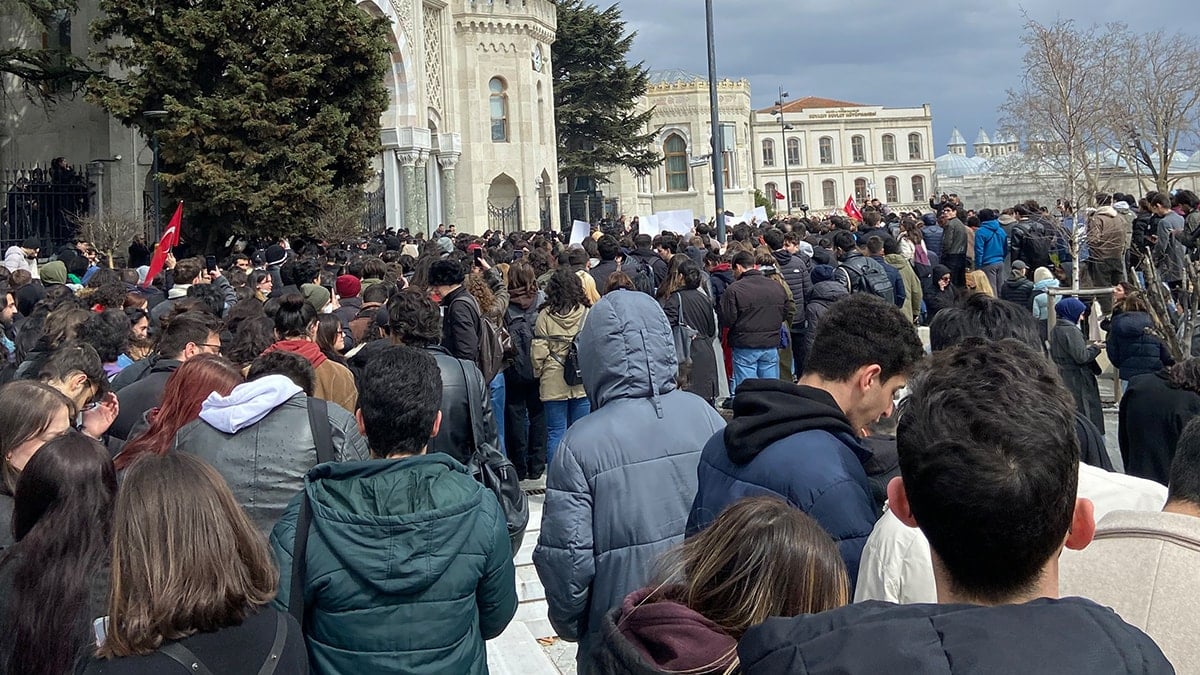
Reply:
x=797, y=272
x=652, y=259
x=1071, y=635
x=824, y=294
x=1133, y=350
x=1019, y=291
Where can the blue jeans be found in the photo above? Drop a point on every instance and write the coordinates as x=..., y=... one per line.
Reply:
x=751, y=363
x=560, y=415
x=497, y=391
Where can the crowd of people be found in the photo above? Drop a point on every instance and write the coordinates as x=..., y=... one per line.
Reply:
x=754, y=457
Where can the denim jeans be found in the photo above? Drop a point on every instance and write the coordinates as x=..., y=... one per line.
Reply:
x=560, y=415
x=497, y=393
x=752, y=363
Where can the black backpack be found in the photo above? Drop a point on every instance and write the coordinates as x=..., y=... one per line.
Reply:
x=641, y=273
x=866, y=276
x=1036, y=243
x=520, y=331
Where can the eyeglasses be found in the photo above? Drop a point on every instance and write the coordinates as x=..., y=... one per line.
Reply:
x=216, y=349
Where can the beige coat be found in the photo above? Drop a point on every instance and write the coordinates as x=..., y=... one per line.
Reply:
x=1145, y=565
x=552, y=335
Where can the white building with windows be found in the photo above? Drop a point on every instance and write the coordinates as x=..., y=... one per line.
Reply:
x=468, y=138
x=819, y=151
x=683, y=129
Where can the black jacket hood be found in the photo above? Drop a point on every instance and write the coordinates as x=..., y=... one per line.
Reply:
x=764, y=411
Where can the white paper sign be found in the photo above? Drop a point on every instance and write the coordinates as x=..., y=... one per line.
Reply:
x=679, y=222
x=579, y=231
x=758, y=214
x=649, y=225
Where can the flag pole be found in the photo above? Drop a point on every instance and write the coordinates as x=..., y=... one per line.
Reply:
x=718, y=158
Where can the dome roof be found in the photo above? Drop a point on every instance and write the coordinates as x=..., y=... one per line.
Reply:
x=1193, y=163
x=674, y=76
x=1109, y=159
x=1179, y=162
x=952, y=165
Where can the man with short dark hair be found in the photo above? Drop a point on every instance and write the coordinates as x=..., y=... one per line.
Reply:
x=643, y=255
x=896, y=563
x=802, y=441
x=184, y=336
x=954, y=244
x=462, y=320
x=608, y=249
x=860, y=274
x=407, y=561
x=796, y=270
x=754, y=309
x=989, y=467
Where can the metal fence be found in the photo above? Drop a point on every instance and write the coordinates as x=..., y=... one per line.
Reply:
x=505, y=219
x=375, y=213
x=41, y=202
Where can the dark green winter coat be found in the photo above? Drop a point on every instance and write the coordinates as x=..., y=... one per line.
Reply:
x=409, y=567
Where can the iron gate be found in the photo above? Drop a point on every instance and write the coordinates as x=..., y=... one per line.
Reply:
x=41, y=203
x=375, y=213
x=505, y=219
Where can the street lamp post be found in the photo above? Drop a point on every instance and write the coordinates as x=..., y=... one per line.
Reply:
x=154, y=116
x=718, y=157
x=784, y=127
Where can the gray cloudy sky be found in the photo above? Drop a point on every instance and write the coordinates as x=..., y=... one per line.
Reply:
x=960, y=56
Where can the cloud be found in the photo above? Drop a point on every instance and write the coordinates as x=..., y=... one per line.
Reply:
x=959, y=56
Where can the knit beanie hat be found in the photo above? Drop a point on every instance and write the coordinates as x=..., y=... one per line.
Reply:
x=316, y=296
x=276, y=255
x=1042, y=274
x=348, y=286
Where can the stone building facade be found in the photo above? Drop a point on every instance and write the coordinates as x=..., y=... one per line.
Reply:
x=821, y=151
x=683, y=132
x=468, y=138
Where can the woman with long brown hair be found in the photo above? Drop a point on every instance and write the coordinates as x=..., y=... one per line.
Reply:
x=183, y=395
x=559, y=321
x=524, y=414
x=760, y=558
x=54, y=579
x=31, y=415
x=191, y=580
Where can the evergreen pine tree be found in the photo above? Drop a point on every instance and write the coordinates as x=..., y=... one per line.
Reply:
x=44, y=71
x=595, y=90
x=273, y=107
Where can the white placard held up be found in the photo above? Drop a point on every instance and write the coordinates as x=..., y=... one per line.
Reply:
x=579, y=231
x=649, y=225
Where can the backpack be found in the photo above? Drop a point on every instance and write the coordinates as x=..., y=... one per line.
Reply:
x=641, y=273
x=520, y=331
x=866, y=276
x=362, y=324
x=494, y=345
x=1189, y=236
x=1036, y=241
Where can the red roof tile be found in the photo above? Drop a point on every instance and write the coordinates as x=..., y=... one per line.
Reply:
x=809, y=102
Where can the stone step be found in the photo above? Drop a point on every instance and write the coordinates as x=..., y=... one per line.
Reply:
x=529, y=586
x=517, y=652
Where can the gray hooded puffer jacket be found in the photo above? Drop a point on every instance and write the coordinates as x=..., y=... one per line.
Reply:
x=623, y=480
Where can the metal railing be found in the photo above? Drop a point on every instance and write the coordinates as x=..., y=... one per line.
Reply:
x=41, y=203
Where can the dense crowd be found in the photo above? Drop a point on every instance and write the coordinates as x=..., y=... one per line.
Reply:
x=825, y=445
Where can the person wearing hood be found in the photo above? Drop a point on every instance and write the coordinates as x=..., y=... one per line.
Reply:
x=54, y=273
x=24, y=257
x=981, y=409
x=932, y=233
x=914, y=293
x=295, y=332
x=991, y=243
x=405, y=557
x=826, y=291
x=260, y=439
x=1043, y=280
x=802, y=441
x=615, y=502
x=1106, y=248
x=1018, y=289
x=1076, y=359
x=943, y=294
x=560, y=320
x=760, y=558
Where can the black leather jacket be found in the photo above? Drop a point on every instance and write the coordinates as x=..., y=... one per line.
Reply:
x=457, y=435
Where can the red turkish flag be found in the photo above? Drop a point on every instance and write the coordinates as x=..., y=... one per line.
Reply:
x=851, y=209
x=779, y=195
x=170, y=238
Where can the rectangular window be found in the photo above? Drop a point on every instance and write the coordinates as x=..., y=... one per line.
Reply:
x=829, y=193
x=914, y=146
x=826, y=146
x=858, y=149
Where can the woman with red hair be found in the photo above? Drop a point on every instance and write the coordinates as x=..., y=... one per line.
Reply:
x=183, y=395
